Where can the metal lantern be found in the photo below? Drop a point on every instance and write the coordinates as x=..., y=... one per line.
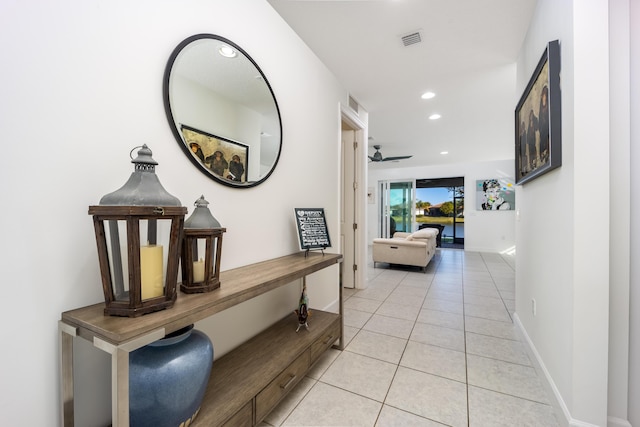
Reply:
x=138, y=231
x=201, y=250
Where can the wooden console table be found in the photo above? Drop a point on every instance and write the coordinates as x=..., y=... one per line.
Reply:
x=245, y=383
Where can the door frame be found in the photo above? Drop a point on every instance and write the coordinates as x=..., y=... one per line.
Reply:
x=358, y=196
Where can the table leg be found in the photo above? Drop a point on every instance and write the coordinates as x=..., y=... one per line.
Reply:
x=66, y=373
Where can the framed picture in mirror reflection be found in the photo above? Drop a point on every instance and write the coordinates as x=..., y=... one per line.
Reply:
x=220, y=156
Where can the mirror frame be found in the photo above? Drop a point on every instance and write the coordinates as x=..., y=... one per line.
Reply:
x=176, y=132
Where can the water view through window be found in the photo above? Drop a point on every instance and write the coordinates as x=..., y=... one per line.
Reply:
x=441, y=202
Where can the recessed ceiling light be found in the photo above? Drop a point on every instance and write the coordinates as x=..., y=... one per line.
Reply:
x=227, y=52
x=444, y=152
x=434, y=116
x=428, y=95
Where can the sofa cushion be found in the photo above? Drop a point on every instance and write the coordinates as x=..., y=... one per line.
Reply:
x=425, y=233
x=400, y=235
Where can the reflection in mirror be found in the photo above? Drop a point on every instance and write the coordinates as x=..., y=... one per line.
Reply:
x=222, y=111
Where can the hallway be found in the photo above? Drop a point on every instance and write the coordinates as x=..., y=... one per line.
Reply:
x=429, y=350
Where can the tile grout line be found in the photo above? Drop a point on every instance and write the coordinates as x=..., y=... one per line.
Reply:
x=397, y=367
x=466, y=361
x=439, y=268
x=498, y=290
x=445, y=266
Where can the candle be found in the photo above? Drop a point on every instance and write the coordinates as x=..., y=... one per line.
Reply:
x=151, y=271
x=198, y=271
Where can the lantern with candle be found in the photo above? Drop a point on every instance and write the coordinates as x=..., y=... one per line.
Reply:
x=201, y=250
x=138, y=231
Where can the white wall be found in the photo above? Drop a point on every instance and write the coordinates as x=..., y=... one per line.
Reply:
x=486, y=231
x=542, y=234
x=82, y=86
x=562, y=263
x=634, y=333
x=620, y=236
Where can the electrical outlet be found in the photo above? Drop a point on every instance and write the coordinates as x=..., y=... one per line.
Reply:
x=533, y=306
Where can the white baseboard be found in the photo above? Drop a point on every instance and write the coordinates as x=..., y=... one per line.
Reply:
x=468, y=248
x=333, y=307
x=558, y=403
x=578, y=423
x=617, y=422
x=562, y=412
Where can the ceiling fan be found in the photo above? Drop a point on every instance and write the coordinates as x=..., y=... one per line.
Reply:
x=377, y=156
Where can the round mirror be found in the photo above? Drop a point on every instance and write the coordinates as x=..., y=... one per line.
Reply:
x=222, y=111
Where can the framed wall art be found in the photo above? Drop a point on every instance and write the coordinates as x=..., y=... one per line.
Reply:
x=219, y=156
x=496, y=194
x=538, y=142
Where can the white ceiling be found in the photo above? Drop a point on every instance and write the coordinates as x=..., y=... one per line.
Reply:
x=467, y=57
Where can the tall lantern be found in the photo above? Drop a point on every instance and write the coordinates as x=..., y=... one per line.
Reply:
x=201, y=250
x=138, y=231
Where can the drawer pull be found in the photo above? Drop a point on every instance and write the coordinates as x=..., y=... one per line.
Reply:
x=329, y=339
x=288, y=383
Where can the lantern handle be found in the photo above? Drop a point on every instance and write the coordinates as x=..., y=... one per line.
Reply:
x=131, y=152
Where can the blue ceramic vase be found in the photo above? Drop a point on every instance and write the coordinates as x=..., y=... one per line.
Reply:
x=168, y=378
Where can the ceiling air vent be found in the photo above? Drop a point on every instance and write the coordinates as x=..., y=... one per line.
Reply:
x=411, y=38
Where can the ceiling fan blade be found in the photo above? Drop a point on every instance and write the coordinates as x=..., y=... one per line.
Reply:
x=377, y=156
x=386, y=159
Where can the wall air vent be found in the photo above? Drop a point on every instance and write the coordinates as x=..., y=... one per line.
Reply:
x=411, y=38
x=353, y=104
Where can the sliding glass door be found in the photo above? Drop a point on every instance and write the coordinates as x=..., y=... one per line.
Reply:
x=441, y=204
x=397, y=201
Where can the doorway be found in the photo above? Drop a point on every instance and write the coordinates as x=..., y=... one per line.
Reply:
x=440, y=203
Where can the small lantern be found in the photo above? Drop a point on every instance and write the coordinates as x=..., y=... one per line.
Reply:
x=138, y=231
x=201, y=250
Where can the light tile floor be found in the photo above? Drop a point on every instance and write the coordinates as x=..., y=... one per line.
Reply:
x=426, y=349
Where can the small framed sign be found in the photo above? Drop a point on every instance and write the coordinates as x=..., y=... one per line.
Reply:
x=312, y=228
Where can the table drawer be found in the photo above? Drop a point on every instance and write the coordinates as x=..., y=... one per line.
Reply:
x=242, y=418
x=269, y=397
x=325, y=341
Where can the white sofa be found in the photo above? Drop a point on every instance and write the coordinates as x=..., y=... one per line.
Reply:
x=415, y=249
